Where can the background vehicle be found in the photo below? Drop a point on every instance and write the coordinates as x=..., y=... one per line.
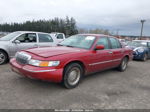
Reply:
x=58, y=36
x=75, y=57
x=141, y=49
x=20, y=40
x=124, y=42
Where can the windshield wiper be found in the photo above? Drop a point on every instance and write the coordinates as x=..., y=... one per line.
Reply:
x=60, y=45
x=64, y=45
x=69, y=46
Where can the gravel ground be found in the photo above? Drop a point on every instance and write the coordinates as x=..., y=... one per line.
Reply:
x=106, y=90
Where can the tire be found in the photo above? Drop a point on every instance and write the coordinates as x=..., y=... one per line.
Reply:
x=3, y=57
x=123, y=66
x=145, y=57
x=72, y=75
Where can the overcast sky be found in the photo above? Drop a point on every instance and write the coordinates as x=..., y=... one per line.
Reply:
x=111, y=14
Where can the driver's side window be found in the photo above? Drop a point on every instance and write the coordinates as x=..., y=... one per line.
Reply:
x=103, y=41
x=27, y=38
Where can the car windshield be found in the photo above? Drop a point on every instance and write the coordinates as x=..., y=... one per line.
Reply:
x=10, y=36
x=79, y=41
x=137, y=44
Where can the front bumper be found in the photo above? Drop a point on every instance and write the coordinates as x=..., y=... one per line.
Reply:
x=41, y=73
x=137, y=55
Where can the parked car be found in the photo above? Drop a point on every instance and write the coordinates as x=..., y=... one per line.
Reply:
x=59, y=37
x=20, y=40
x=75, y=57
x=123, y=42
x=141, y=49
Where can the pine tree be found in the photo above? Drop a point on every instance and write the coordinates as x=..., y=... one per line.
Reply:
x=67, y=26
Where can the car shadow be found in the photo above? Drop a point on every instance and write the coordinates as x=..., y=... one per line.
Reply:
x=137, y=60
x=32, y=83
x=45, y=85
x=101, y=73
x=38, y=85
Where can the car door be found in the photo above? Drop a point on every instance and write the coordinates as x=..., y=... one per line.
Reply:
x=45, y=40
x=117, y=51
x=101, y=58
x=25, y=41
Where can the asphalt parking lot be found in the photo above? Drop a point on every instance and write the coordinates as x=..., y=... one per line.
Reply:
x=109, y=89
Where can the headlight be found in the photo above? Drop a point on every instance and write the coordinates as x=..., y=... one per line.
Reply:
x=140, y=50
x=43, y=63
x=23, y=54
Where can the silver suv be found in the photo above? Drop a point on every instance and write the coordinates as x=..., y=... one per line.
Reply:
x=20, y=40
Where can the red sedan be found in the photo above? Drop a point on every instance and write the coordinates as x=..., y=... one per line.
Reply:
x=75, y=57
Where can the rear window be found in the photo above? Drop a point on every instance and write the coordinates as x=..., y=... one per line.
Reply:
x=45, y=38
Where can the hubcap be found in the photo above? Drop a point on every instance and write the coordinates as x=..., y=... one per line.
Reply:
x=2, y=58
x=74, y=76
x=124, y=64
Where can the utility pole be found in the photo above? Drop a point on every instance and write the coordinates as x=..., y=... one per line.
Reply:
x=117, y=32
x=142, y=21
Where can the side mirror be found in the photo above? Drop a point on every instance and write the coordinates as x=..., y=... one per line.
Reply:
x=16, y=42
x=99, y=47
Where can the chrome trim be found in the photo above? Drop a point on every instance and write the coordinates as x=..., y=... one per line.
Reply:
x=104, y=62
x=39, y=71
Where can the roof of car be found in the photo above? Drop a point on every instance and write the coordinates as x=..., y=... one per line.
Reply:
x=97, y=35
x=30, y=32
x=56, y=33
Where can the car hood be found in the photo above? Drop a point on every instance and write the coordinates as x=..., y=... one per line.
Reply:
x=131, y=47
x=134, y=48
x=53, y=51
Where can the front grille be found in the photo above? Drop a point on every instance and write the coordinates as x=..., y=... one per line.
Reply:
x=22, y=58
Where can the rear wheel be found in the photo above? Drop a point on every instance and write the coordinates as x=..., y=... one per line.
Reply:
x=72, y=75
x=123, y=66
x=145, y=57
x=3, y=57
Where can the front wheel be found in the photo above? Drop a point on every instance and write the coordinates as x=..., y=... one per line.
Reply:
x=145, y=57
x=123, y=66
x=3, y=57
x=72, y=75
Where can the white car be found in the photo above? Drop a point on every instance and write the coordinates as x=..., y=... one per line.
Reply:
x=20, y=40
x=58, y=37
